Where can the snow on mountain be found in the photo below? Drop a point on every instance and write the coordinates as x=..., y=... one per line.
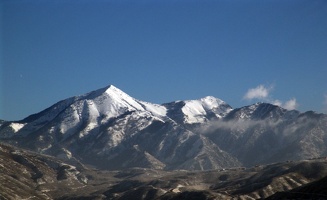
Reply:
x=197, y=111
x=155, y=109
x=16, y=126
x=109, y=102
x=113, y=102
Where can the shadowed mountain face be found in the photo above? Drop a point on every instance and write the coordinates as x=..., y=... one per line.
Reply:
x=109, y=129
x=26, y=175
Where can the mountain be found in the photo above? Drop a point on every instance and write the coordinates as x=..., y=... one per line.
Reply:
x=109, y=129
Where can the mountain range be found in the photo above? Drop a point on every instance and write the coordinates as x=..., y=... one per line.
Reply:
x=109, y=129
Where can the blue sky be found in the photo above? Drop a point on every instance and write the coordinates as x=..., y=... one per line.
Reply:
x=160, y=51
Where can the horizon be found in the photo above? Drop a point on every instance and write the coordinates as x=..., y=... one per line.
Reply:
x=163, y=51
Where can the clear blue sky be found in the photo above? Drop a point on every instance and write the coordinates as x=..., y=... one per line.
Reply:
x=163, y=50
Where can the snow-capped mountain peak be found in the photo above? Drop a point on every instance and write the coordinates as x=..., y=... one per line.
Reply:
x=111, y=101
x=112, y=95
x=115, y=92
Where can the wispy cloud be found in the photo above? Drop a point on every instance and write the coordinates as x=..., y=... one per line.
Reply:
x=260, y=92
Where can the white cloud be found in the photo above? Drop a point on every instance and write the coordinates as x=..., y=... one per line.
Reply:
x=290, y=104
x=260, y=92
